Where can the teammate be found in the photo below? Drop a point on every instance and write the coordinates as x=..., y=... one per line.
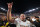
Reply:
x=20, y=22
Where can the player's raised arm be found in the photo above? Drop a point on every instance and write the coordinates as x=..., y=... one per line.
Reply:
x=9, y=12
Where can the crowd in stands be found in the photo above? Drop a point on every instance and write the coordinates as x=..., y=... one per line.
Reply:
x=35, y=21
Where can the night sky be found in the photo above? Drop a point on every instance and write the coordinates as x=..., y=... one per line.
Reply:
x=20, y=6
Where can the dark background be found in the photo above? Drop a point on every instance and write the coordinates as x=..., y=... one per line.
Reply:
x=20, y=6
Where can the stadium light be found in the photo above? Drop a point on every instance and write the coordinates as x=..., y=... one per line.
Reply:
x=3, y=9
x=33, y=9
x=36, y=8
x=30, y=10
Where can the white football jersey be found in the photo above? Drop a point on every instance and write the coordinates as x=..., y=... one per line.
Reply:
x=20, y=23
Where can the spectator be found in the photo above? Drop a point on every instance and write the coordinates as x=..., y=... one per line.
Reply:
x=36, y=23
